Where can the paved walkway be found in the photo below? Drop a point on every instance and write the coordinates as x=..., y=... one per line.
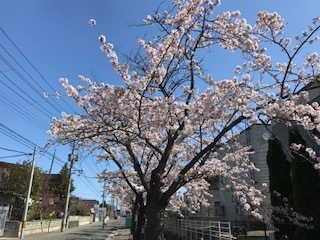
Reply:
x=121, y=234
x=113, y=231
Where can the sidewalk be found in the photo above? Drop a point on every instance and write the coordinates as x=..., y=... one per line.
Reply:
x=120, y=234
x=117, y=233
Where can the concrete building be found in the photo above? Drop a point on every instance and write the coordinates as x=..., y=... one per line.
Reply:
x=224, y=206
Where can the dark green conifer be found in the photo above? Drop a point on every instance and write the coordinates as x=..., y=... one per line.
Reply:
x=306, y=188
x=280, y=186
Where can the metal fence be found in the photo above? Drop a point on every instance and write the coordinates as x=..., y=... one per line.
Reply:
x=199, y=229
x=253, y=228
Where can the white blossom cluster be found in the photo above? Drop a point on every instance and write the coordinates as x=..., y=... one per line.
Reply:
x=285, y=213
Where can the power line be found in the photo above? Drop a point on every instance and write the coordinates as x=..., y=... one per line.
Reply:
x=34, y=67
x=21, y=71
x=43, y=90
x=88, y=185
x=23, y=94
x=26, y=142
x=25, y=76
x=11, y=156
x=22, y=112
x=15, y=137
x=26, y=97
x=41, y=95
x=12, y=150
x=93, y=168
x=48, y=114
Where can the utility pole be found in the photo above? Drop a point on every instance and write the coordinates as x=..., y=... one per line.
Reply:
x=54, y=154
x=25, y=213
x=71, y=158
x=112, y=206
x=116, y=207
x=102, y=205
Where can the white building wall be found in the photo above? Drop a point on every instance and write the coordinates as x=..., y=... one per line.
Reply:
x=256, y=137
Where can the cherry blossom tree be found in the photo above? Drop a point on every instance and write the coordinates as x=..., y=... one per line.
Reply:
x=131, y=198
x=172, y=125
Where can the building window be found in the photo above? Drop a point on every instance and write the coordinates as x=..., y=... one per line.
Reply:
x=238, y=210
x=219, y=209
x=252, y=177
x=235, y=198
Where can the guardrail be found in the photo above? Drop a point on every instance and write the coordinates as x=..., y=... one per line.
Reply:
x=197, y=229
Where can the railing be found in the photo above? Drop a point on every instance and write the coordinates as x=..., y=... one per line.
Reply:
x=199, y=229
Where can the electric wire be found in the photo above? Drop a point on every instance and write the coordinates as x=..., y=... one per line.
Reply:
x=88, y=185
x=34, y=67
x=92, y=168
x=60, y=108
x=22, y=112
x=86, y=179
x=17, y=137
x=34, y=103
x=81, y=175
x=93, y=163
x=11, y=156
x=48, y=115
x=41, y=95
x=26, y=142
x=12, y=150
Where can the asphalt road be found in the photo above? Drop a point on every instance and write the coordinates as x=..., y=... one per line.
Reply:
x=92, y=231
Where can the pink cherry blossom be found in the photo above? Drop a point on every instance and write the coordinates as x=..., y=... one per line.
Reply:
x=171, y=125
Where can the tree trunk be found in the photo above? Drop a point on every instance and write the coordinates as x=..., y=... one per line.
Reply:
x=134, y=212
x=138, y=219
x=154, y=225
x=141, y=223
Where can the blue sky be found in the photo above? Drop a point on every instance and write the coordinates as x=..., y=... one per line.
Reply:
x=56, y=39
